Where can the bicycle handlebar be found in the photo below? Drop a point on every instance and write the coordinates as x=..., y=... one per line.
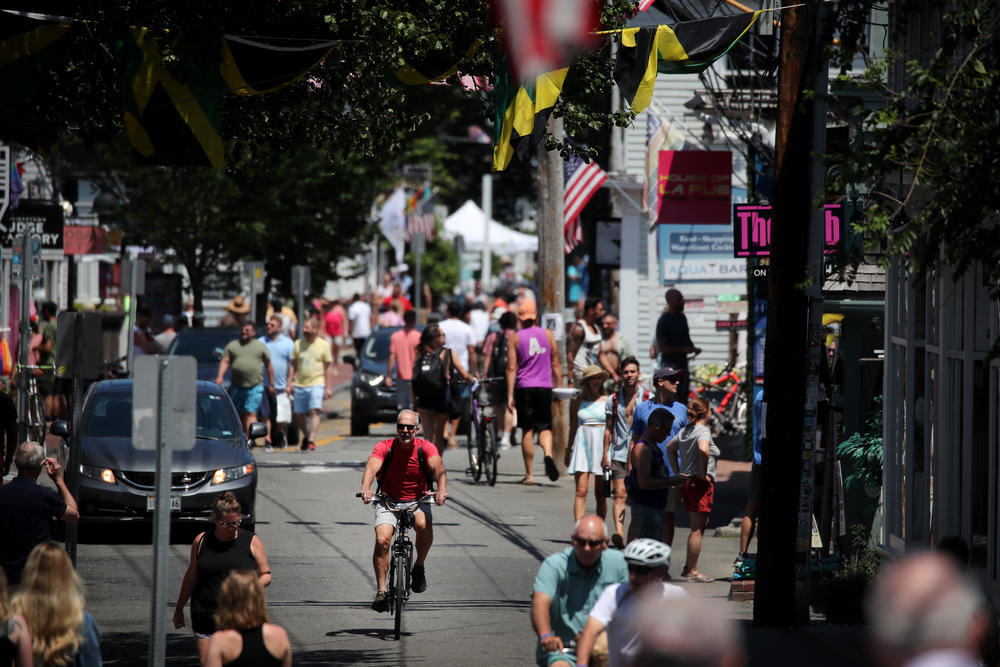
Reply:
x=426, y=498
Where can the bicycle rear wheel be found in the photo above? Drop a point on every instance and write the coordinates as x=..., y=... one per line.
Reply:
x=490, y=455
x=399, y=593
x=472, y=443
x=476, y=428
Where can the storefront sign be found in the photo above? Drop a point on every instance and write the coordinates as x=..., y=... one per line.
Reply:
x=46, y=220
x=83, y=240
x=727, y=325
x=752, y=229
x=694, y=187
x=677, y=270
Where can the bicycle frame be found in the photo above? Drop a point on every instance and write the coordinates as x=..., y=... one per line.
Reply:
x=729, y=375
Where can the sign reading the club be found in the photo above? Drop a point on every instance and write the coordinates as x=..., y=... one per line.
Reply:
x=695, y=187
x=752, y=229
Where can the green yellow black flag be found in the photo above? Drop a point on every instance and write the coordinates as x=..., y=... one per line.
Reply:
x=522, y=113
x=170, y=120
x=26, y=44
x=686, y=48
x=257, y=65
x=435, y=65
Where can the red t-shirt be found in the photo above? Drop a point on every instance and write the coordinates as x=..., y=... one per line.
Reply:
x=404, y=480
x=403, y=301
x=334, y=323
x=403, y=344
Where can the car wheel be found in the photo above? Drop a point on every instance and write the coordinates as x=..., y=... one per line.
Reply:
x=359, y=422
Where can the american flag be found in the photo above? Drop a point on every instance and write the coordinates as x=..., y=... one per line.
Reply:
x=583, y=179
x=420, y=214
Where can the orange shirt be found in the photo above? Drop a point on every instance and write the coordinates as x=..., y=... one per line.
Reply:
x=403, y=344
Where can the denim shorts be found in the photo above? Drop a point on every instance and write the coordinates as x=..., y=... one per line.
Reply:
x=308, y=398
x=247, y=399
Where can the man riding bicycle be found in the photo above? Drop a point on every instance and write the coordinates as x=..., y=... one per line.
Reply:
x=406, y=467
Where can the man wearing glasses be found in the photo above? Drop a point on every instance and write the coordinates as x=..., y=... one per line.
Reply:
x=617, y=608
x=406, y=467
x=566, y=587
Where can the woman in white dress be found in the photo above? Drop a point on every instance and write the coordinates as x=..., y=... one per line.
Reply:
x=584, y=455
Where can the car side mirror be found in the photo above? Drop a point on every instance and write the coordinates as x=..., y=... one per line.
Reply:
x=60, y=427
x=257, y=430
x=350, y=359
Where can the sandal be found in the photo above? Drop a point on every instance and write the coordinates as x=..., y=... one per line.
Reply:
x=697, y=577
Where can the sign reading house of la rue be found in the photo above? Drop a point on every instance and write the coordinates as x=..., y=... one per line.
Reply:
x=695, y=187
x=34, y=217
x=752, y=229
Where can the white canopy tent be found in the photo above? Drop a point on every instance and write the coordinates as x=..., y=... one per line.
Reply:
x=469, y=222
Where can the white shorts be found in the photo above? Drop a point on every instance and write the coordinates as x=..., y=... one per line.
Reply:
x=283, y=403
x=384, y=517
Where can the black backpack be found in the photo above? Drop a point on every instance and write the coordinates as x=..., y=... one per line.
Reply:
x=498, y=366
x=428, y=374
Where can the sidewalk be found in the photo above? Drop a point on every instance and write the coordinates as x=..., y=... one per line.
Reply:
x=820, y=644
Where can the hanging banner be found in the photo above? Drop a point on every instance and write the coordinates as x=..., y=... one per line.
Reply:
x=695, y=187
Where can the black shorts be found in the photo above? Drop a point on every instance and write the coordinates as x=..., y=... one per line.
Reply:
x=534, y=408
x=755, y=474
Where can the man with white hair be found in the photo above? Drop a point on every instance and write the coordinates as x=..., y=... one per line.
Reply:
x=566, y=587
x=688, y=632
x=923, y=612
x=26, y=507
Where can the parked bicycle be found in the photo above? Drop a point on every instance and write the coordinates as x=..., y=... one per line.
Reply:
x=726, y=395
x=481, y=437
x=401, y=555
x=35, y=417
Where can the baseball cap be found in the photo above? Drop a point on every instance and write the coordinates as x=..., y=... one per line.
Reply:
x=528, y=311
x=665, y=372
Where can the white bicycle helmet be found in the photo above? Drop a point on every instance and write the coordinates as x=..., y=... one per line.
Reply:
x=645, y=551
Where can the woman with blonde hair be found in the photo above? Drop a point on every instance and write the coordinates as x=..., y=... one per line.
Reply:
x=214, y=554
x=15, y=638
x=693, y=453
x=50, y=599
x=245, y=637
x=585, y=455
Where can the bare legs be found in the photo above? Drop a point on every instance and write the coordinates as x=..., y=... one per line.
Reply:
x=528, y=450
x=748, y=525
x=698, y=522
x=432, y=424
x=308, y=424
x=580, y=499
x=618, y=507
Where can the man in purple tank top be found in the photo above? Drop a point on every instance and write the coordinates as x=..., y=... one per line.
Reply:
x=532, y=370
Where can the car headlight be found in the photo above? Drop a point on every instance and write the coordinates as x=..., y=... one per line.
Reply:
x=373, y=380
x=106, y=475
x=229, y=474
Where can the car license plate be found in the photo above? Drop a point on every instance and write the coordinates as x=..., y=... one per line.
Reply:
x=175, y=503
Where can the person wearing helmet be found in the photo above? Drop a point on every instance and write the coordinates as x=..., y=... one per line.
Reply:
x=616, y=609
x=566, y=587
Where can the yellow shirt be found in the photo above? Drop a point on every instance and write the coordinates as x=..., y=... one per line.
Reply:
x=309, y=360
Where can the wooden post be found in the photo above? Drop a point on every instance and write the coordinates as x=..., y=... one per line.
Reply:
x=552, y=263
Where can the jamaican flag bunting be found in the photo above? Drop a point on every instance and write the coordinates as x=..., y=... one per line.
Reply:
x=522, y=113
x=26, y=45
x=170, y=120
x=434, y=65
x=256, y=65
x=687, y=48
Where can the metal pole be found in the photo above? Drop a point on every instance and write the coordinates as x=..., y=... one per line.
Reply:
x=24, y=335
x=161, y=520
x=130, y=324
x=418, y=286
x=486, y=273
x=73, y=465
x=253, y=295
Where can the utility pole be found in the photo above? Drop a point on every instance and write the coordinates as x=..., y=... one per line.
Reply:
x=552, y=263
x=781, y=595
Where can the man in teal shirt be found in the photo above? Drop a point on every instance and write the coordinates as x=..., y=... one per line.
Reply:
x=568, y=584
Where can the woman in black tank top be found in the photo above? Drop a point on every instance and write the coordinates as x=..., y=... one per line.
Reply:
x=245, y=638
x=216, y=553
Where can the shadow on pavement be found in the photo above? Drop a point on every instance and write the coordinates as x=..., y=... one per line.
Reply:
x=349, y=656
x=125, y=649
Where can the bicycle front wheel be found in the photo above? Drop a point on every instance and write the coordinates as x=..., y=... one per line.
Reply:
x=472, y=443
x=399, y=593
x=491, y=455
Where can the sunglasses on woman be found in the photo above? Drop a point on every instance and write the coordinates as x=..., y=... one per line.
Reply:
x=231, y=524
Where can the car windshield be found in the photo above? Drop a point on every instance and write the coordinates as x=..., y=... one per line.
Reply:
x=110, y=416
x=377, y=345
x=205, y=345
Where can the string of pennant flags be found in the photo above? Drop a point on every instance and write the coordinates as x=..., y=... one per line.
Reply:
x=174, y=118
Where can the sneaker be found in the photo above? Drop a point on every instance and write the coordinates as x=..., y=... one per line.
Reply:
x=312, y=446
x=418, y=580
x=380, y=602
x=268, y=448
x=550, y=469
x=504, y=442
x=304, y=446
x=617, y=541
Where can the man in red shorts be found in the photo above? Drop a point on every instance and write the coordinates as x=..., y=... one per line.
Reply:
x=406, y=466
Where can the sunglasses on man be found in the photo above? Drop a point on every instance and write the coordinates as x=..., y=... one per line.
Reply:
x=593, y=544
x=406, y=427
